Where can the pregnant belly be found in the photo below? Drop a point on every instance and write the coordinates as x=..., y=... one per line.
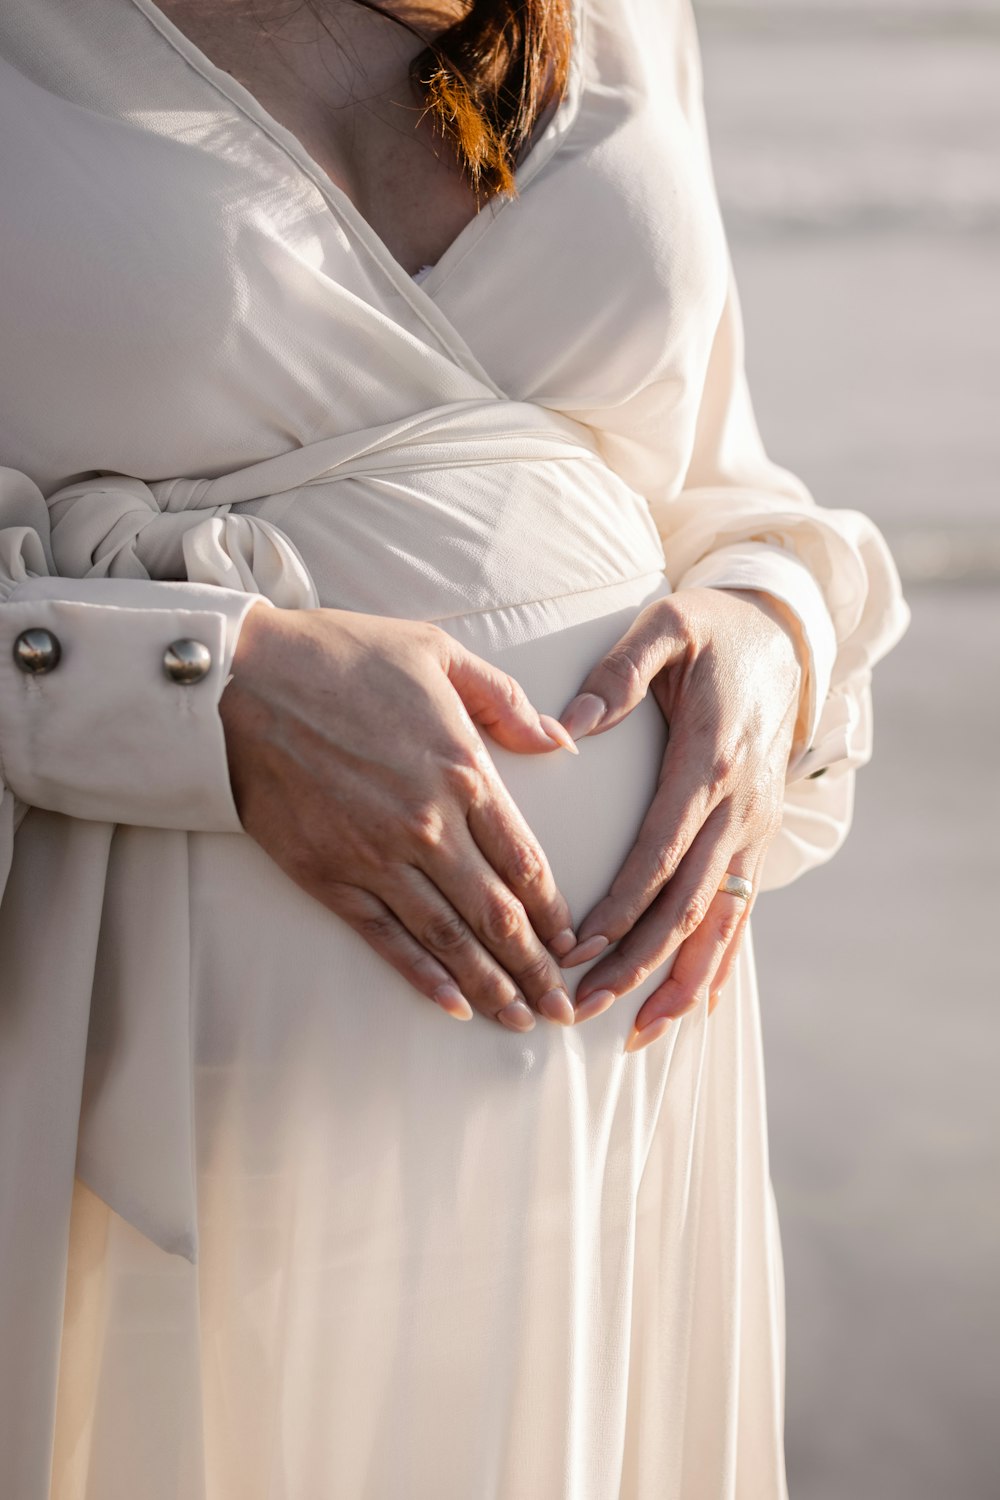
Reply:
x=537, y=565
x=304, y=1031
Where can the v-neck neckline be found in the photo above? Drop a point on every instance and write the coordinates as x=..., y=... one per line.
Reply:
x=418, y=293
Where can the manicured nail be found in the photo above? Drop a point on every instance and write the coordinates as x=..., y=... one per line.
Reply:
x=584, y=714
x=557, y=733
x=453, y=1001
x=564, y=942
x=648, y=1034
x=590, y=948
x=595, y=1004
x=557, y=1006
x=516, y=1016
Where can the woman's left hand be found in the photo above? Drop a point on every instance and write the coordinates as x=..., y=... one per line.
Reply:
x=726, y=668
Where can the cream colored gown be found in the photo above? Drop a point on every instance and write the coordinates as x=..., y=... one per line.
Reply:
x=325, y=1244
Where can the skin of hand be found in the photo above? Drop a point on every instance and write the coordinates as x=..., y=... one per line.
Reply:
x=357, y=764
x=726, y=667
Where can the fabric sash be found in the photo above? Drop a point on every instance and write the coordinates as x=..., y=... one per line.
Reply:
x=117, y=526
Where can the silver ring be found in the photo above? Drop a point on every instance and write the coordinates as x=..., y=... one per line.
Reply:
x=735, y=885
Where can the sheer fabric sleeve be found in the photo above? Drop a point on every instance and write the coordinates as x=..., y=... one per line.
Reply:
x=742, y=521
x=106, y=734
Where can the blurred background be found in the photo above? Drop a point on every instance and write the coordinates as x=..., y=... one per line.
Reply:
x=857, y=152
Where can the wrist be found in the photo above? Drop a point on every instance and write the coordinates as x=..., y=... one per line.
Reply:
x=237, y=703
x=782, y=615
x=257, y=622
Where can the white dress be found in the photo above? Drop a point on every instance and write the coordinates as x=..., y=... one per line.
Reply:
x=325, y=1244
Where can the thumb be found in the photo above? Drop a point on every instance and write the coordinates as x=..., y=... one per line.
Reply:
x=621, y=679
x=500, y=706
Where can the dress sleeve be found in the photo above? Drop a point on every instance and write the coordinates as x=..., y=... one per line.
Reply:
x=98, y=729
x=741, y=521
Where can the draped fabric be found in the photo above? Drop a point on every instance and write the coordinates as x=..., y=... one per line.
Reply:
x=323, y=1241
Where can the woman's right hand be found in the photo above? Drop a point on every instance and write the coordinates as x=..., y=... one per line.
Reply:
x=356, y=764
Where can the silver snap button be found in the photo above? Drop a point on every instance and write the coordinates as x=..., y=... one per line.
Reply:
x=37, y=651
x=187, y=661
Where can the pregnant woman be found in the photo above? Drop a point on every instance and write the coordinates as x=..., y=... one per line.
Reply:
x=372, y=393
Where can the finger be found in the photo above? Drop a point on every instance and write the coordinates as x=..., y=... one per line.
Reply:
x=718, y=981
x=382, y=931
x=447, y=936
x=621, y=678
x=502, y=834
x=683, y=803
x=674, y=916
x=697, y=960
x=725, y=969
x=484, y=891
x=500, y=706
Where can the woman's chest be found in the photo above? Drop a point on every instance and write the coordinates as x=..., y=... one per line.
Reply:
x=336, y=76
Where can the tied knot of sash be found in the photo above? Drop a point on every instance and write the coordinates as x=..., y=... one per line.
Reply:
x=121, y=527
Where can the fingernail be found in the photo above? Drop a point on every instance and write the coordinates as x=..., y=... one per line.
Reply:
x=584, y=714
x=647, y=1035
x=557, y=1006
x=557, y=734
x=453, y=1001
x=516, y=1016
x=594, y=1004
x=590, y=948
x=564, y=942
